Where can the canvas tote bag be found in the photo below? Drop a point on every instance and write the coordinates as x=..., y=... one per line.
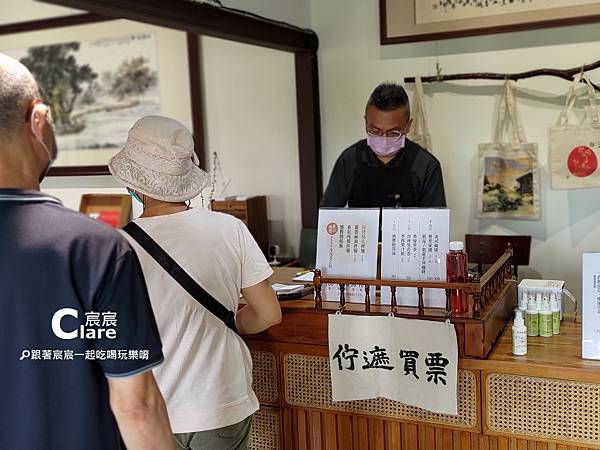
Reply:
x=508, y=186
x=419, y=132
x=575, y=149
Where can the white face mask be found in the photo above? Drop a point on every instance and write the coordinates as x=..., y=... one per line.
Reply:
x=51, y=158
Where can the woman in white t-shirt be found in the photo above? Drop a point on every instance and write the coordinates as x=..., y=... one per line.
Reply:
x=206, y=378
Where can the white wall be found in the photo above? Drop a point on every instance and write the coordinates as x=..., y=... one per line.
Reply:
x=12, y=11
x=352, y=63
x=251, y=122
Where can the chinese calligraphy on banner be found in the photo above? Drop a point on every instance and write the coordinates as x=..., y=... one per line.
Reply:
x=414, y=247
x=407, y=360
x=347, y=247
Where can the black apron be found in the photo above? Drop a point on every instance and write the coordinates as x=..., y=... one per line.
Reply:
x=379, y=187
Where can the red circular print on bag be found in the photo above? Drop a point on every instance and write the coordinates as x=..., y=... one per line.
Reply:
x=332, y=228
x=582, y=161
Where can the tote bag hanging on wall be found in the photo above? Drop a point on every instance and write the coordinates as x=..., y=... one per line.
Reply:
x=508, y=185
x=419, y=132
x=575, y=149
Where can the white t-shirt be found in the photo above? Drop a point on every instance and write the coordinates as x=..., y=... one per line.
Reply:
x=206, y=378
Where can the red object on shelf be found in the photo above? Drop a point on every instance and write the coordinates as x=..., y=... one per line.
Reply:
x=110, y=217
x=456, y=270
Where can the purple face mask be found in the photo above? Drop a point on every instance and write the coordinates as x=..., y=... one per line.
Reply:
x=386, y=146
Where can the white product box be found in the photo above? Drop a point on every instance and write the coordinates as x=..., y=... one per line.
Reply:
x=591, y=306
x=414, y=244
x=347, y=248
x=544, y=287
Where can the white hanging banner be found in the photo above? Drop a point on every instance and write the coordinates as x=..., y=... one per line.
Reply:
x=414, y=244
x=347, y=241
x=411, y=361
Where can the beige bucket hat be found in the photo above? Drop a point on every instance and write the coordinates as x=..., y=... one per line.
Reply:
x=158, y=160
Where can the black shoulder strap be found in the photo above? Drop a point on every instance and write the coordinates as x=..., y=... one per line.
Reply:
x=181, y=276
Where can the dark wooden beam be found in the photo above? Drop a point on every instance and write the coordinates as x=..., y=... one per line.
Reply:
x=71, y=171
x=201, y=18
x=309, y=137
x=197, y=102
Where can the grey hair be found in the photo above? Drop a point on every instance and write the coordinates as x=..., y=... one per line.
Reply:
x=17, y=89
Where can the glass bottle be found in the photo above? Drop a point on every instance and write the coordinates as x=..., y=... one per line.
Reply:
x=456, y=271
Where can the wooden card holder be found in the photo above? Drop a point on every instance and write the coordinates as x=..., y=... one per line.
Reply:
x=492, y=298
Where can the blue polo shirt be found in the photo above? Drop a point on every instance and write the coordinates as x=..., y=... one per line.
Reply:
x=66, y=281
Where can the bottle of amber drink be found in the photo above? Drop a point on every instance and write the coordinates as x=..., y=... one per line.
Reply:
x=456, y=271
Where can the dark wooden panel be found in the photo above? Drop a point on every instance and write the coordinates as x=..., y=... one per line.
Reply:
x=486, y=248
x=195, y=75
x=309, y=137
x=66, y=171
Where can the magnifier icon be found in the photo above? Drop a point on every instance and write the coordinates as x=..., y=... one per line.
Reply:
x=25, y=355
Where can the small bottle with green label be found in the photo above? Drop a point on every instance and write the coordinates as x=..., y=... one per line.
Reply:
x=532, y=319
x=555, y=314
x=545, y=319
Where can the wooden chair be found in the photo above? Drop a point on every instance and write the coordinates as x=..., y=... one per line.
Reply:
x=486, y=249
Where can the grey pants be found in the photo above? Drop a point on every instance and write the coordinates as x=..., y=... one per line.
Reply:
x=232, y=437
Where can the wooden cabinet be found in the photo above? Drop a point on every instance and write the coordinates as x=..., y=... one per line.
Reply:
x=253, y=212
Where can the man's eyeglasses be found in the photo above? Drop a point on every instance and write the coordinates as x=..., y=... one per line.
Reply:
x=379, y=133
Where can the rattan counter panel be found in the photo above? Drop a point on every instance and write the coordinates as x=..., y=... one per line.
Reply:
x=266, y=425
x=543, y=408
x=308, y=385
x=264, y=377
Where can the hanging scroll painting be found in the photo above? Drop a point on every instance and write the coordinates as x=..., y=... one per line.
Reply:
x=98, y=79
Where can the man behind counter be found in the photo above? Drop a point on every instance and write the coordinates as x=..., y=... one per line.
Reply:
x=386, y=168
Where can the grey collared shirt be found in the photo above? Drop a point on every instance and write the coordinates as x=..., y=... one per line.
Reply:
x=426, y=169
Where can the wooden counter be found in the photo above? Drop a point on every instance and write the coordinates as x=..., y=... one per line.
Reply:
x=548, y=399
